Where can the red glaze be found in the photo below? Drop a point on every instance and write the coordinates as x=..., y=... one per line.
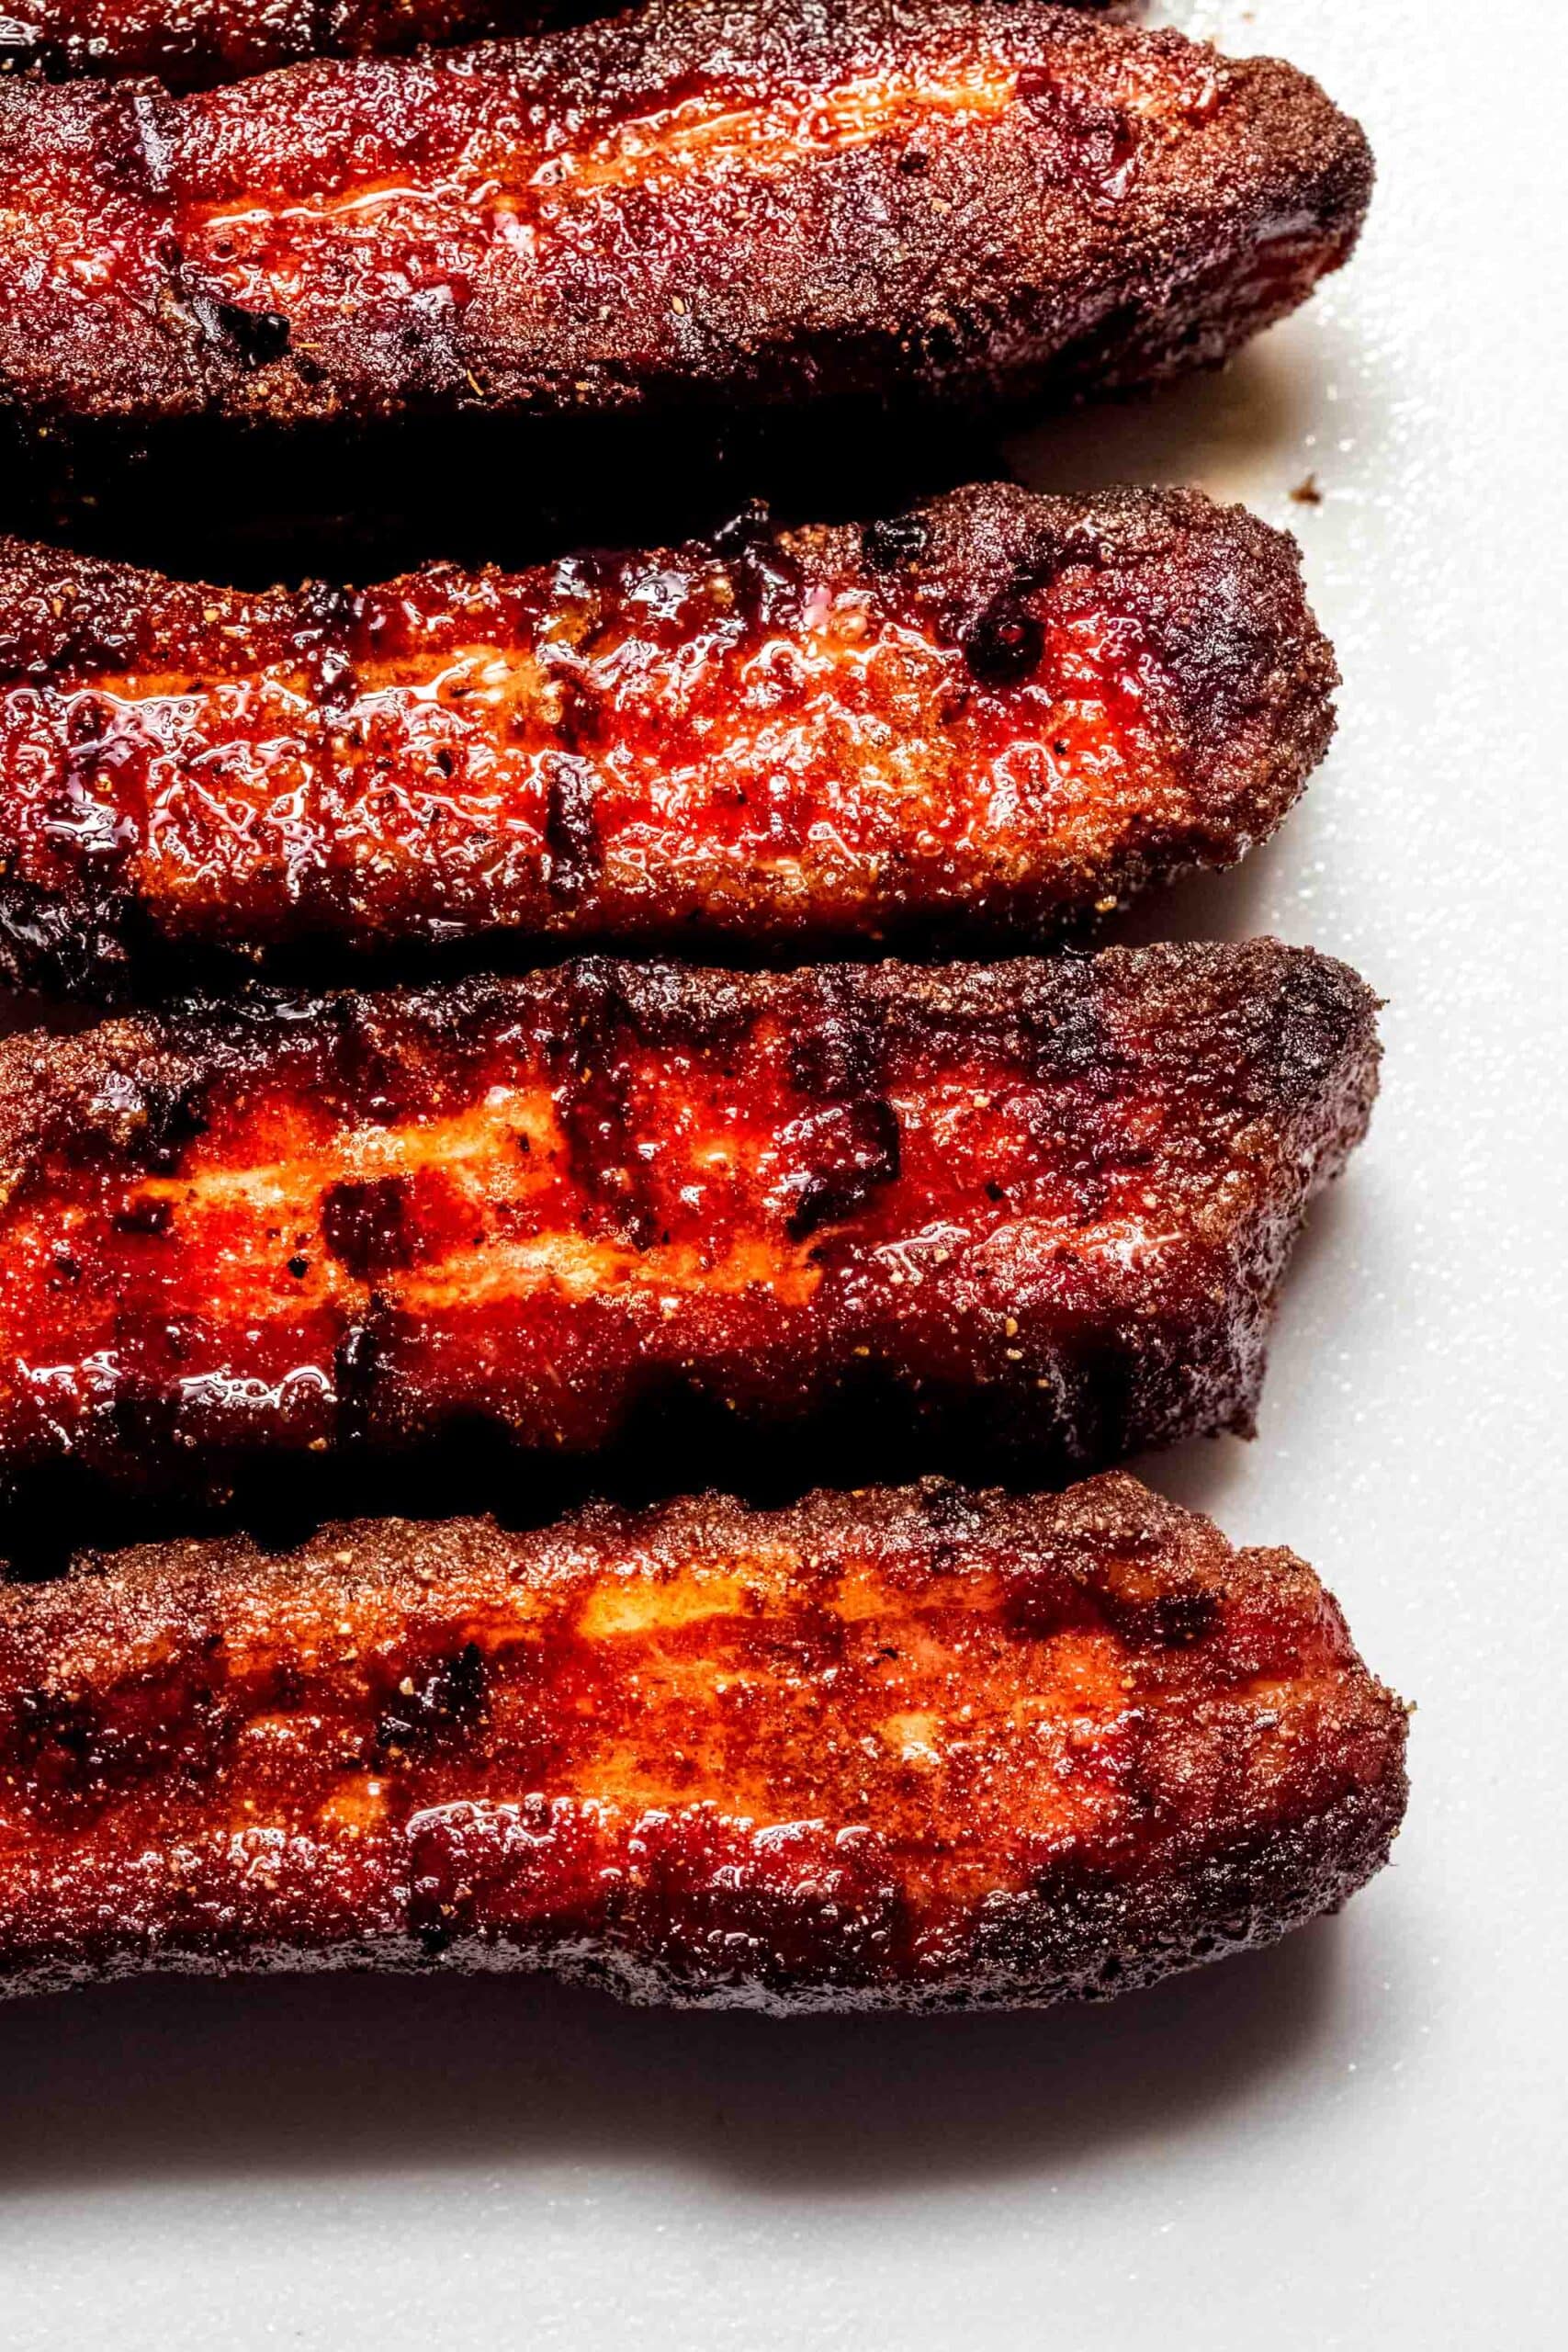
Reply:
x=912, y=1750
x=698, y=201
x=1054, y=1198
x=983, y=716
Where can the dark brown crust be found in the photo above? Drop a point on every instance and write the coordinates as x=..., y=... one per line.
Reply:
x=189, y=43
x=1045, y=1202
x=1131, y=205
x=1173, y=697
x=917, y=1749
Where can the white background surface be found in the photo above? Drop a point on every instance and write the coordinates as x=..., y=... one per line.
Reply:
x=1354, y=2140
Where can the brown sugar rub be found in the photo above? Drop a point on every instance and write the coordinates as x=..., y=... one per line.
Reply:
x=1047, y=1202
x=914, y=1748
x=979, y=719
x=697, y=203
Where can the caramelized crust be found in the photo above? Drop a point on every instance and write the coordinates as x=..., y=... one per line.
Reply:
x=915, y=1748
x=700, y=201
x=982, y=717
x=1047, y=1203
x=189, y=42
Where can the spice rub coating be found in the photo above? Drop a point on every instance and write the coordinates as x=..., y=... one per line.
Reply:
x=908, y=1748
x=982, y=717
x=699, y=201
x=189, y=42
x=1047, y=1202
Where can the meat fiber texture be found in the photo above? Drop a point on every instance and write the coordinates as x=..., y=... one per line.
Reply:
x=970, y=723
x=696, y=204
x=920, y=1748
x=1044, y=1202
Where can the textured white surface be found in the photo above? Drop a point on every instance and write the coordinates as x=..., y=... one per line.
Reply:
x=1357, y=2139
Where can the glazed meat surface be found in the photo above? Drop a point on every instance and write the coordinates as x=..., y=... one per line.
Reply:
x=984, y=717
x=698, y=201
x=1045, y=1202
x=912, y=1748
x=187, y=42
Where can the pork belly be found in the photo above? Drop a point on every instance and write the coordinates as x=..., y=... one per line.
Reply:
x=902, y=1749
x=1043, y=1204
x=976, y=720
x=700, y=202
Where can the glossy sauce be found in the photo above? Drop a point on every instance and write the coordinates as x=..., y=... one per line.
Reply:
x=612, y=745
x=521, y=1240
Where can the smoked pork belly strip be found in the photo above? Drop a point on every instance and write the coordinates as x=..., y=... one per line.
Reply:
x=699, y=201
x=1047, y=1203
x=982, y=717
x=907, y=1749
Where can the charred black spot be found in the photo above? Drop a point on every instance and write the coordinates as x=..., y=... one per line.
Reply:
x=176, y=1116
x=367, y=1226
x=1183, y=1619
x=435, y=1701
x=44, y=1720
x=255, y=337
x=852, y=1148
x=897, y=540
x=144, y=1216
x=571, y=833
x=1164, y=1620
x=1005, y=644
